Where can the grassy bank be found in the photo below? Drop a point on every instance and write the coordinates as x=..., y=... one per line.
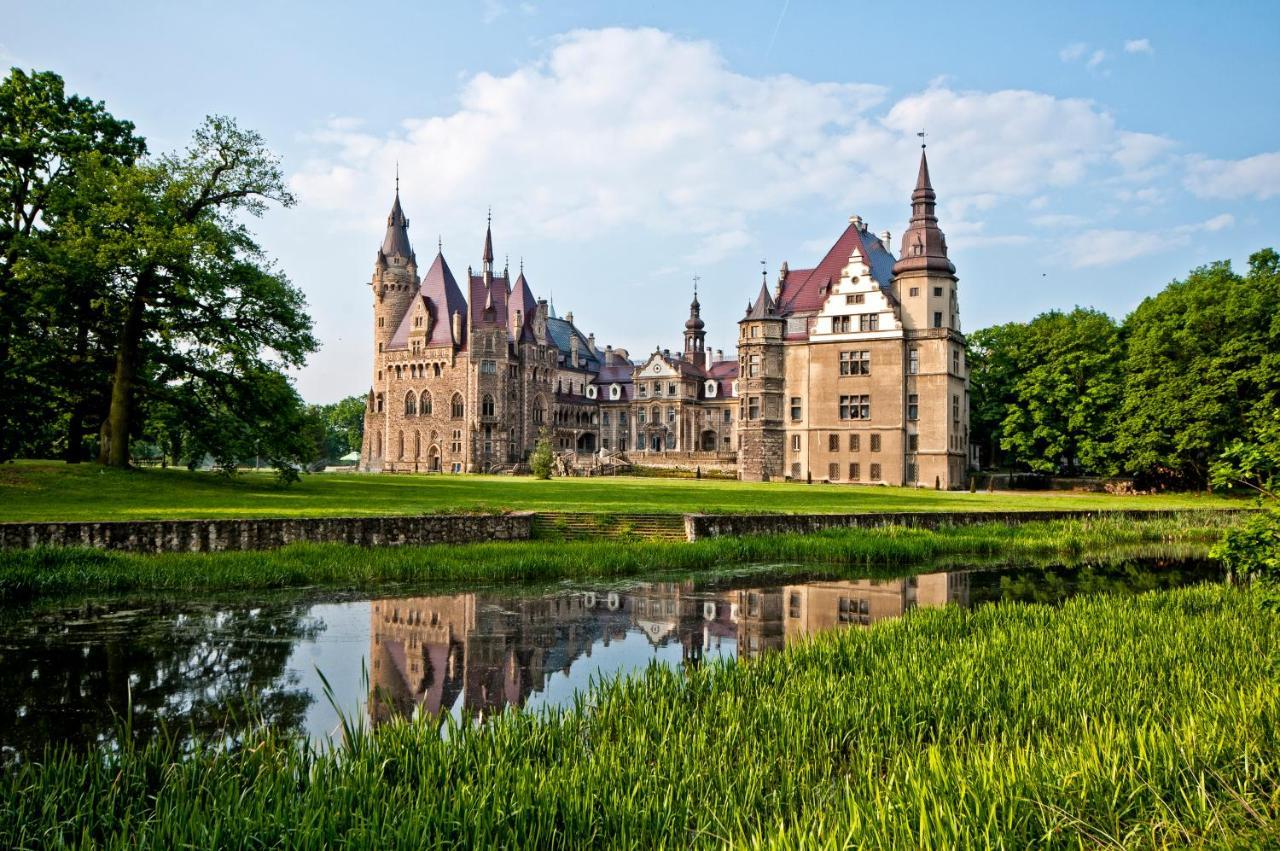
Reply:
x=1137, y=722
x=25, y=574
x=41, y=491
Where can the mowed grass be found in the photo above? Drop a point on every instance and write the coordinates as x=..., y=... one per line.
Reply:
x=1135, y=722
x=50, y=491
x=54, y=571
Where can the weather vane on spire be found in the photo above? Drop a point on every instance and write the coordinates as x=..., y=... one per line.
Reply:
x=397, y=177
x=921, y=134
x=440, y=243
x=764, y=270
x=696, y=278
x=490, y=221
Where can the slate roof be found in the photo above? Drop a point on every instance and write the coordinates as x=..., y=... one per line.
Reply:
x=488, y=304
x=396, y=241
x=521, y=299
x=561, y=331
x=441, y=295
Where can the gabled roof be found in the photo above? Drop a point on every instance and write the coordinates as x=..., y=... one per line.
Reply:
x=521, y=299
x=804, y=289
x=440, y=295
x=561, y=332
x=488, y=304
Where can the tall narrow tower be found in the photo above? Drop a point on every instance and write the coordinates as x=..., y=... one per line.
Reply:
x=760, y=390
x=395, y=277
x=694, y=336
x=924, y=279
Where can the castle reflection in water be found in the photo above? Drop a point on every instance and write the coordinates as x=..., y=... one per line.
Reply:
x=475, y=654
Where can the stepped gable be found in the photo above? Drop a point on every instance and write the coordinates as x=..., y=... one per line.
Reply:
x=804, y=291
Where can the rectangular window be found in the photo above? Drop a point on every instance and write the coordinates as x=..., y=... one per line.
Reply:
x=937, y=319
x=795, y=443
x=869, y=322
x=875, y=443
x=913, y=362
x=915, y=291
x=795, y=470
x=913, y=407
x=671, y=390
x=488, y=367
x=913, y=473
x=604, y=418
x=955, y=361
x=840, y=325
x=797, y=409
x=855, y=442
x=855, y=298
x=955, y=410
x=855, y=407
x=753, y=366
x=833, y=472
x=640, y=416
x=657, y=388
x=855, y=363
x=644, y=390
x=855, y=472
x=913, y=442
x=622, y=418
x=875, y=472
x=937, y=291
x=833, y=442
x=753, y=407
x=728, y=415
x=671, y=415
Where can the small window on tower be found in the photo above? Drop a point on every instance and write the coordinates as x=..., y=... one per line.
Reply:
x=915, y=291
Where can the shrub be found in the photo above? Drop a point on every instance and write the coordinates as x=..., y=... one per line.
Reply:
x=541, y=459
x=1252, y=550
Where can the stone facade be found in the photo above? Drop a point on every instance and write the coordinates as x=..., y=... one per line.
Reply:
x=851, y=371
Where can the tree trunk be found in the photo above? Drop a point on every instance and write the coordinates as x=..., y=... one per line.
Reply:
x=115, y=447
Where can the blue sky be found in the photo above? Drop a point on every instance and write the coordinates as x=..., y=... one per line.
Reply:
x=1083, y=153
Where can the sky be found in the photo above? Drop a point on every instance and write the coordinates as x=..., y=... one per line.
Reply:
x=1083, y=154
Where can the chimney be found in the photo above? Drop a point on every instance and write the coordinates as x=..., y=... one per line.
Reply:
x=568, y=317
x=591, y=344
x=856, y=221
x=885, y=236
x=608, y=355
x=573, y=348
x=457, y=327
x=719, y=354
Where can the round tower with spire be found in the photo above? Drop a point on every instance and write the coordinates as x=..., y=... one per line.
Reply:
x=395, y=277
x=761, y=379
x=695, y=337
x=924, y=277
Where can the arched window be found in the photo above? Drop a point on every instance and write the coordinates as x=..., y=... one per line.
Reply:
x=436, y=369
x=410, y=404
x=539, y=411
x=486, y=406
x=424, y=403
x=455, y=407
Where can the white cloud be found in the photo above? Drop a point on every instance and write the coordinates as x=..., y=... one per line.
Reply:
x=1095, y=59
x=1139, y=45
x=1057, y=221
x=1072, y=52
x=1254, y=177
x=1096, y=248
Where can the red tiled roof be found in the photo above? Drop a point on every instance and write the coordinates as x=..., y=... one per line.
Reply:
x=804, y=289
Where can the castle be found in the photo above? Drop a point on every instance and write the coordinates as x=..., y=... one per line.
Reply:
x=851, y=371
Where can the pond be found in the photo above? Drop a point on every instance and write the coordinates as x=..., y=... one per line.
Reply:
x=73, y=670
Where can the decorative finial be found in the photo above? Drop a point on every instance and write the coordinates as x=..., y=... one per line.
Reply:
x=521, y=264
x=490, y=221
x=764, y=271
x=921, y=134
x=696, y=278
x=440, y=243
x=397, y=177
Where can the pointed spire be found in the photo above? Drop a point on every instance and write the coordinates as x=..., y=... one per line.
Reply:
x=396, y=241
x=488, y=240
x=439, y=244
x=924, y=248
x=764, y=307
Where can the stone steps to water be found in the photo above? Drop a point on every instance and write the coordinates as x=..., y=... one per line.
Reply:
x=568, y=525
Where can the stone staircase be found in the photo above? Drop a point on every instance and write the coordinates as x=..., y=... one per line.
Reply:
x=576, y=526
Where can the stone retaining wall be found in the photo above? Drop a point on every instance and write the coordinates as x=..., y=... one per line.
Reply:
x=699, y=526
x=156, y=536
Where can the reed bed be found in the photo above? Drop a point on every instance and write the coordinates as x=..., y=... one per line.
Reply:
x=1147, y=721
x=55, y=571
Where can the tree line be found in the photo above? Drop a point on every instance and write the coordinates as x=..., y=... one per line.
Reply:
x=1191, y=376
x=137, y=310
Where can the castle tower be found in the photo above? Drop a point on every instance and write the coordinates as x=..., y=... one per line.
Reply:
x=760, y=377
x=925, y=282
x=395, y=277
x=694, y=336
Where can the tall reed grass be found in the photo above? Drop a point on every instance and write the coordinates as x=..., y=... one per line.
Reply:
x=1146, y=721
x=25, y=574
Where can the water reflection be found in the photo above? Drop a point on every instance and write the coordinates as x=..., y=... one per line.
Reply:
x=71, y=674
x=478, y=653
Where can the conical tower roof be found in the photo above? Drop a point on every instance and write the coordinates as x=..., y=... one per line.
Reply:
x=763, y=308
x=924, y=247
x=396, y=241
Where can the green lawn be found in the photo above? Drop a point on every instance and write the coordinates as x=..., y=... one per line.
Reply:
x=42, y=490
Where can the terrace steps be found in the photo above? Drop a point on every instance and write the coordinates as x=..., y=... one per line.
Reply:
x=570, y=525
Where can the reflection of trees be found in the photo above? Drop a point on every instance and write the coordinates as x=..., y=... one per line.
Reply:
x=70, y=676
x=1053, y=585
